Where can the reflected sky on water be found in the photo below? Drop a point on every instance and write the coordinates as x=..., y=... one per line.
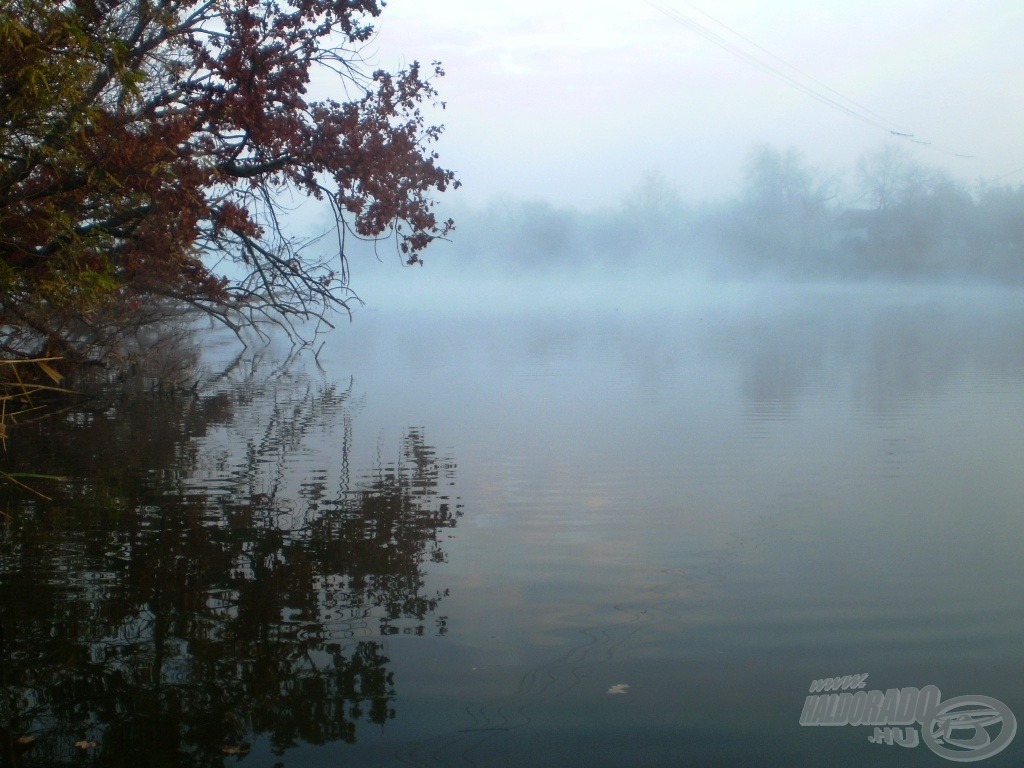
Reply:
x=448, y=544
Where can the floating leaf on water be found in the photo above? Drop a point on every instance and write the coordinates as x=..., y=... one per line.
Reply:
x=24, y=741
x=83, y=744
x=618, y=688
x=239, y=750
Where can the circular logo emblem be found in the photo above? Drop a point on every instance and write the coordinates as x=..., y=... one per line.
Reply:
x=969, y=728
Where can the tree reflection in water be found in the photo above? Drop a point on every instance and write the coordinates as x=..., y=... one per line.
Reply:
x=211, y=575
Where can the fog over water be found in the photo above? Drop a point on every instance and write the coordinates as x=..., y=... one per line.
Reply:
x=498, y=521
x=894, y=222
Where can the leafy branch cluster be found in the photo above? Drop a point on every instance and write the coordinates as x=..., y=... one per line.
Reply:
x=148, y=148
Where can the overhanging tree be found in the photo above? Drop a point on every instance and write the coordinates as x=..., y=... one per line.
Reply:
x=147, y=148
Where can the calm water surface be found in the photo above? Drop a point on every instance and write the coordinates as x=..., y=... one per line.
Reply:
x=533, y=538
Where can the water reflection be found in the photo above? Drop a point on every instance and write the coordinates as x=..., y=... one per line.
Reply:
x=212, y=573
x=714, y=506
x=884, y=351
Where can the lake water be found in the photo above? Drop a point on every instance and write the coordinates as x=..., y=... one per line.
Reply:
x=554, y=535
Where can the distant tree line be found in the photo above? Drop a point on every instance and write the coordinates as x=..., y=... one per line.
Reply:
x=892, y=217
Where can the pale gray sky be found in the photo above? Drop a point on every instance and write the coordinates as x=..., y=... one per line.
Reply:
x=574, y=100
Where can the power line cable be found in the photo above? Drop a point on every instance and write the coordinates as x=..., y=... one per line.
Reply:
x=735, y=50
x=817, y=90
x=1009, y=173
x=894, y=126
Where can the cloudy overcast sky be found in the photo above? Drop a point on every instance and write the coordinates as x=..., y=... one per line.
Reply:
x=574, y=101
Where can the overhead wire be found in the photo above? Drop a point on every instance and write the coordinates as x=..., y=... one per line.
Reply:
x=1012, y=172
x=723, y=43
x=806, y=84
x=892, y=125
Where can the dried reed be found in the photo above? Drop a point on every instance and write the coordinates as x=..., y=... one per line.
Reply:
x=23, y=384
